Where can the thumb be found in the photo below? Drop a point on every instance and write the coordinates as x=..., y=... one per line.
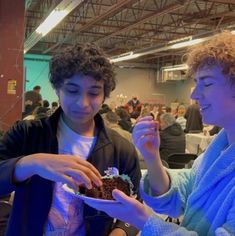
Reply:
x=121, y=196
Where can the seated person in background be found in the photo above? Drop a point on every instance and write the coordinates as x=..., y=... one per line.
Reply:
x=54, y=106
x=38, y=113
x=205, y=194
x=33, y=97
x=27, y=109
x=125, y=119
x=134, y=114
x=104, y=109
x=180, y=116
x=145, y=110
x=46, y=105
x=168, y=109
x=111, y=120
x=154, y=111
x=171, y=135
x=134, y=102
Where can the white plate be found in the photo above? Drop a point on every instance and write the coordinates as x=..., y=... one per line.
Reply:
x=82, y=197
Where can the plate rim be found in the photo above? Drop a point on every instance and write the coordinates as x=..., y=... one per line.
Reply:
x=85, y=198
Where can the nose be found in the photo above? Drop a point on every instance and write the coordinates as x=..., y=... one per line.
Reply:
x=82, y=100
x=195, y=95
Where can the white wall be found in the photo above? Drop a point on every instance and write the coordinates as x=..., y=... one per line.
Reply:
x=130, y=81
x=37, y=73
x=143, y=83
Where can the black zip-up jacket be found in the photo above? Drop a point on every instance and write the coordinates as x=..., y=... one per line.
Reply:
x=33, y=197
x=172, y=141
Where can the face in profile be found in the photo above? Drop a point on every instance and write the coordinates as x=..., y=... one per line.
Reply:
x=215, y=96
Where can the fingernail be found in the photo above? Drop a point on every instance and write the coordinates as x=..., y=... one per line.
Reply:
x=89, y=186
x=99, y=183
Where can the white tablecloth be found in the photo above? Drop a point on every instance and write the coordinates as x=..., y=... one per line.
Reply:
x=197, y=143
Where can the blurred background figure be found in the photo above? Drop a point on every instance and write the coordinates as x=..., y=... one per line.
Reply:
x=154, y=111
x=168, y=109
x=180, y=116
x=38, y=113
x=54, y=106
x=145, y=110
x=104, y=109
x=134, y=102
x=125, y=119
x=172, y=136
x=193, y=119
x=33, y=98
x=46, y=106
x=161, y=110
x=111, y=120
x=113, y=106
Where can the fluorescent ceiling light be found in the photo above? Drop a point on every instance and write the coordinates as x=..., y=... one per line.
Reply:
x=186, y=43
x=176, y=45
x=175, y=67
x=55, y=17
x=125, y=57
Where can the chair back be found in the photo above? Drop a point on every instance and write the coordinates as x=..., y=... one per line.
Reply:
x=181, y=160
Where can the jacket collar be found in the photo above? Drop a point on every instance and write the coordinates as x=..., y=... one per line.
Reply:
x=102, y=131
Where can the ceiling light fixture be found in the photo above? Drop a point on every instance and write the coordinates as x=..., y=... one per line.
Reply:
x=54, y=18
x=175, y=67
x=124, y=57
x=152, y=50
x=187, y=43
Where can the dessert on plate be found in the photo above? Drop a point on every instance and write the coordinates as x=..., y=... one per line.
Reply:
x=110, y=182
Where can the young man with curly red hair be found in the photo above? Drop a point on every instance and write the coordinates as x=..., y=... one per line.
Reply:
x=205, y=194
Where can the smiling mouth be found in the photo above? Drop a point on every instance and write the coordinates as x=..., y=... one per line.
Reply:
x=203, y=108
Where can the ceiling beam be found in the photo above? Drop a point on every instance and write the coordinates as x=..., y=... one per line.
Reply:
x=223, y=1
x=94, y=21
x=162, y=11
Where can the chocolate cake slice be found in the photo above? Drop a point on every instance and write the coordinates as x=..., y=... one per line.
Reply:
x=121, y=182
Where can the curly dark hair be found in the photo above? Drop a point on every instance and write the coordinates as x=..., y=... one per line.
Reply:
x=85, y=59
x=219, y=50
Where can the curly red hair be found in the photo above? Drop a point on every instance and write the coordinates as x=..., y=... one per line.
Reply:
x=220, y=50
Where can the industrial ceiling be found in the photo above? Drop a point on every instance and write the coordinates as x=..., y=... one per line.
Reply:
x=123, y=26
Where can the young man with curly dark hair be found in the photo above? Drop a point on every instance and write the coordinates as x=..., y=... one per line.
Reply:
x=71, y=147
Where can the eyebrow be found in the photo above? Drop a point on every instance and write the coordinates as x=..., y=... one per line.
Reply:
x=96, y=87
x=76, y=85
x=204, y=77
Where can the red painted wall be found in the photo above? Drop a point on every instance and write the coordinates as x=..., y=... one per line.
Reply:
x=11, y=61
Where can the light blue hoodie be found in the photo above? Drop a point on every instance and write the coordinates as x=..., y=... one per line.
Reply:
x=205, y=195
